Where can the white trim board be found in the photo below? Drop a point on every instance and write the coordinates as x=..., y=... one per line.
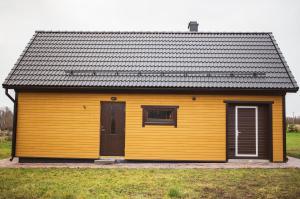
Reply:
x=237, y=132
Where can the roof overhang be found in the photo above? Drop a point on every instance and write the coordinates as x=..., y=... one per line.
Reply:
x=153, y=89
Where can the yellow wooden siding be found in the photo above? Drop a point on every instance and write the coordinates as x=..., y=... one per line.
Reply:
x=66, y=125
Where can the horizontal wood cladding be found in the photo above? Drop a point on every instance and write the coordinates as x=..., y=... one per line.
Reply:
x=58, y=126
x=66, y=125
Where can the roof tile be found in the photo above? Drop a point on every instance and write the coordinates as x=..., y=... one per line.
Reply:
x=153, y=59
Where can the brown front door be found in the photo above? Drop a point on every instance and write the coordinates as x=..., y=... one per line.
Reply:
x=249, y=131
x=246, y=131
x=112, y=129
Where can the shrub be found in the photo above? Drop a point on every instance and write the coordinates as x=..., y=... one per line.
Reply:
x=292, y=128
x=4, y=139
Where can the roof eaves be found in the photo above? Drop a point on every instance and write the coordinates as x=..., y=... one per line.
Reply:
x=109, y=88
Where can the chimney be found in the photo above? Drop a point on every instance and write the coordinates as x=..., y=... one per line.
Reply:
x=193, y=26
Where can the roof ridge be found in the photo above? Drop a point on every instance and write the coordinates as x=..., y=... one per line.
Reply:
x=149, y=32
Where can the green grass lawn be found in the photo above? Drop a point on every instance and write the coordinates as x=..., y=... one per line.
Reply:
x=293, y=144
x=149, y=183
x=5, y=147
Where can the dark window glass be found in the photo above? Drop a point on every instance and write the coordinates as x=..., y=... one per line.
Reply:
x=113, y=122
x=160, y=115
x=163, y=115
x=113, y=126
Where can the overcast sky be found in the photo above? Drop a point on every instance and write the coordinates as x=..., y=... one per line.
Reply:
x=19, y=19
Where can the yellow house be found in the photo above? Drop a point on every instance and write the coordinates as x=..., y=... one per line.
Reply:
x=168, y=96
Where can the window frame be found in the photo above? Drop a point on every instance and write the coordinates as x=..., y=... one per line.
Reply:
x=146, y=108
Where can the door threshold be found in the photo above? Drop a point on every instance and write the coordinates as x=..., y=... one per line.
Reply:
x=109, y=160
x=112, y=157
x=105, y=161
x=248, y=160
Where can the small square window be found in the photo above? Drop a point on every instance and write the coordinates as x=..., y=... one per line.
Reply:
x=160, y=115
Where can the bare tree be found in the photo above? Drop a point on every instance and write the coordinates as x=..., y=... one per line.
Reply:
x=6, y=119
x=293, y=120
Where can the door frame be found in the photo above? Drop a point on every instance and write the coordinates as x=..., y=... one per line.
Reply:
x=237, y=107
x=269, y=104
x=100, y=113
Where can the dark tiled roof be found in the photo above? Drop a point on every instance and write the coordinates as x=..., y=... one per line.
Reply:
x=152, y=59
